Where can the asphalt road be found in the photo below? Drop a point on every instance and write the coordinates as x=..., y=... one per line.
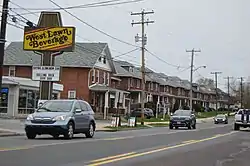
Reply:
x=208, y=145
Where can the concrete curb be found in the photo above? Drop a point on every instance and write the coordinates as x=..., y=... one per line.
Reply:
x=8, y=134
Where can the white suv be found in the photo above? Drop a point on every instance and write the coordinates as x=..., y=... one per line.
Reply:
x=242, y=119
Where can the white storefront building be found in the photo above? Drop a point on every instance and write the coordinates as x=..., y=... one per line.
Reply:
x=20, y=96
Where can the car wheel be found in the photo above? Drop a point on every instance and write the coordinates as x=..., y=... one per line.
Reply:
x=70, y=131
x=171, y=127
x=189, y=127
x=91, y=132
x=31, y=135
x=56, y=136
x=194, y=126
x=236, y=127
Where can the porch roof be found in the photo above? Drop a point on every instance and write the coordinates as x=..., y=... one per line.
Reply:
x=104, y=88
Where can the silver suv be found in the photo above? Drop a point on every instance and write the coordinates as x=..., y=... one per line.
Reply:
x=61, y=117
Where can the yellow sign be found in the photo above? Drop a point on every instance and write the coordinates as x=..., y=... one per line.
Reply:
x=49, y=39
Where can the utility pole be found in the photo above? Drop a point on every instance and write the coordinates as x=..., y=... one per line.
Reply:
x=143, y=42
x=216, y=89
x=191, y=76
x=228, y=93
x=2, y=40
x=241, y=92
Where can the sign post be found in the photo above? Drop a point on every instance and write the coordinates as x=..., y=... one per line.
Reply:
x=48, y=39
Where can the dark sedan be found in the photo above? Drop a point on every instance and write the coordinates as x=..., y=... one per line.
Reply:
x=221, y=119
x=182, y=118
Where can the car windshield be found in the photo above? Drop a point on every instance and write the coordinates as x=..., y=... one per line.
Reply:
x=182, y=113
x=220, y=116
x=56, y=106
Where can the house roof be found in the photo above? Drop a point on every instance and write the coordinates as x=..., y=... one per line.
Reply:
x=84, y=55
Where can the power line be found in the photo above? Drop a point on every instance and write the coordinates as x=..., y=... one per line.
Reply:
x=177, y=66
x=89, y=5
x=84, y=22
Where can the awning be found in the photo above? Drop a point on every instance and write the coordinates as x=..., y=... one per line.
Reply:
x=104, y=88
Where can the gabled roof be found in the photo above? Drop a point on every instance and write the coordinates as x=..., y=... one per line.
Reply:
x=84, y=55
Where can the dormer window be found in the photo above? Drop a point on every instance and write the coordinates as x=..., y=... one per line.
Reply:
x=104, y=60
x=100, y=59
x=131, y=69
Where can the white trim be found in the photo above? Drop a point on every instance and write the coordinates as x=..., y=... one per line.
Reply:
x=71, y=92
x=108, y=78
x=104, y=77
x=26, y=82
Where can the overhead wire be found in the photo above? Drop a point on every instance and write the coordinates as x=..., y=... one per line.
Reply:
x=89, y=5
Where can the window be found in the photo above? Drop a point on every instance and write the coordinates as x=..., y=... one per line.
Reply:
x=88, y=107
x=107, y=78
x=57, y=106
x=4, y=100
x=83, y=105
x=164, y=89
x=104, y=78
x=138, y=83
x=12, y=71
x=71, y=94
x=97, y=76
x=100, y=59
x=93, y=76
x=27, y=102
x=152, y=86
x=131, y=69
x=104, y=60
x=77, y=106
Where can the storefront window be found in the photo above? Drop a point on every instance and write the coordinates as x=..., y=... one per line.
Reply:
x=4, y=100
x=27, y=101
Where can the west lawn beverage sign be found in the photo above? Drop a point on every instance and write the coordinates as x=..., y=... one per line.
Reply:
x=49, y=39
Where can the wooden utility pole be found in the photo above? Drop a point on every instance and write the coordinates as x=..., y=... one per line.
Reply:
x=143, y=42
x=228, y=92
x=216, y=89
x=241, y=92
x=191, y=76
x=2, y=39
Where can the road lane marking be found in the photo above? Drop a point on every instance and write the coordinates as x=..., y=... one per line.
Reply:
x=14, y=148
x=102, y=162
x=112, y=157
x=188, y=141
x=114, y=138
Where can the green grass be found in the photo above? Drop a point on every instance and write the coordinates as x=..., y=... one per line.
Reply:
x=125, y=127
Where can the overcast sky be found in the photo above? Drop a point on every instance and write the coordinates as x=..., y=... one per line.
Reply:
x=220, y=28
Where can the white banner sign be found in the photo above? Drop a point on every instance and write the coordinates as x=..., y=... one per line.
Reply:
x=46, y=73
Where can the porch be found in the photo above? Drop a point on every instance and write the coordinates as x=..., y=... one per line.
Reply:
x=106, y=101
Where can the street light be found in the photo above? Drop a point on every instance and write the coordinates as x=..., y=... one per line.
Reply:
x=199, y=68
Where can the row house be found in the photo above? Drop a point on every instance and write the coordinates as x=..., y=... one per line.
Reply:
x=87, y=73
x=164, y=91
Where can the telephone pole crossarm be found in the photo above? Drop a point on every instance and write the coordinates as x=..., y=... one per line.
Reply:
x=143, y=43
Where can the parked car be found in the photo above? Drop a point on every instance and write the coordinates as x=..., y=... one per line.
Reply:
x=182, y=118
x=61, y=117
x=148, y=113
x=220, y=118
x=242, y=119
